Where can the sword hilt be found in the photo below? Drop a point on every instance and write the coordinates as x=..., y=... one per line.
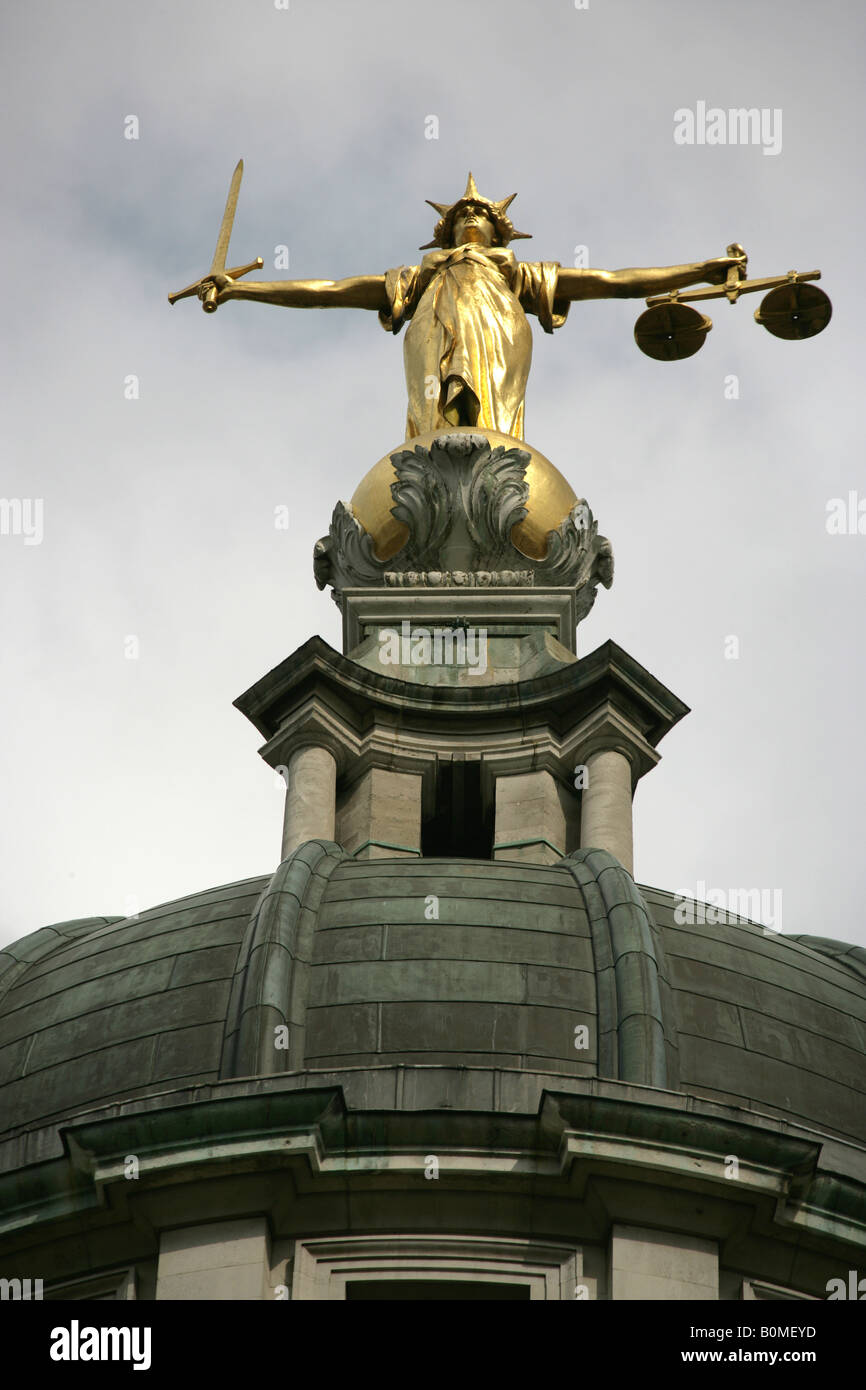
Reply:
x=209, y=299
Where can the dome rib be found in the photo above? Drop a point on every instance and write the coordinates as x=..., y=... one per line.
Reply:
x=270, y=987
x=630, y=973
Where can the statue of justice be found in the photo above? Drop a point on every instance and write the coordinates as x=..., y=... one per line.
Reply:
x=468, y=343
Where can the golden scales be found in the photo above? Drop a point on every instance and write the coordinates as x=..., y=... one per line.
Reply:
x=669, y=330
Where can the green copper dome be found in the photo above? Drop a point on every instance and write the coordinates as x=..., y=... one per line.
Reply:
x=459, y=972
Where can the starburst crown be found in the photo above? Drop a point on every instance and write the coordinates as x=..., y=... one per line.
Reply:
x=448, y=213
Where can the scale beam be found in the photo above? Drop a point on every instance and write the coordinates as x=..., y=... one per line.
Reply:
x=794, y=277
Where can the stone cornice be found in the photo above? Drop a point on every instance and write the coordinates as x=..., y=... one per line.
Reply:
x=592, y=1127
x=608, y=666
x=553, y=723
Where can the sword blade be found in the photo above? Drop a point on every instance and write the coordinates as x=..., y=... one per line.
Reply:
x=222, y=246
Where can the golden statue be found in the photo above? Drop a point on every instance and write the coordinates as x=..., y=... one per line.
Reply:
x=468, y=346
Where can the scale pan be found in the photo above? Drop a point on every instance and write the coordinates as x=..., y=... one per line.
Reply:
x=794, y=311
x=670, y=332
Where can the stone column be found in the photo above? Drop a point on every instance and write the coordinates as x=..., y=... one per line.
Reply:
x=605, y=820
x=311, y=798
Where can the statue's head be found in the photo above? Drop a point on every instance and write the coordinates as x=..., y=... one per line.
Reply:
x=473, y=219
x=473, y=224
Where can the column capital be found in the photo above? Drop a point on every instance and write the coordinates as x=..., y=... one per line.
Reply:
x=608, y=729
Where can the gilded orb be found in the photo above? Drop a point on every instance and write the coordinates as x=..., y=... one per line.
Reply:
x=549, y=503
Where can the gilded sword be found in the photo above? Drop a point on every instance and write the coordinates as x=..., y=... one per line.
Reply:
x=218, y=265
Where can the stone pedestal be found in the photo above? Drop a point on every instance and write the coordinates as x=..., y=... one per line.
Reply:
x=379, y=816
x=524, y=632
x=536, y=819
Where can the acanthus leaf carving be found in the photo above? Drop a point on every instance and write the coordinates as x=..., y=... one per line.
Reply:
x=460, y=500
x=345, y=557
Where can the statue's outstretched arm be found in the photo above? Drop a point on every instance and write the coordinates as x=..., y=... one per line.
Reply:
x=637, y=284
x=359, y=292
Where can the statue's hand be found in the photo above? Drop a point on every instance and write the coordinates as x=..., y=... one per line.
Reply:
x=218, y=281
x=716, y=270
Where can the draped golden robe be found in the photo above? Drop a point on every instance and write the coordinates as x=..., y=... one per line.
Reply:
x=469, y=332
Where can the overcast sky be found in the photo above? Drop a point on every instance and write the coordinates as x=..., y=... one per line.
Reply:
x=128, y=782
